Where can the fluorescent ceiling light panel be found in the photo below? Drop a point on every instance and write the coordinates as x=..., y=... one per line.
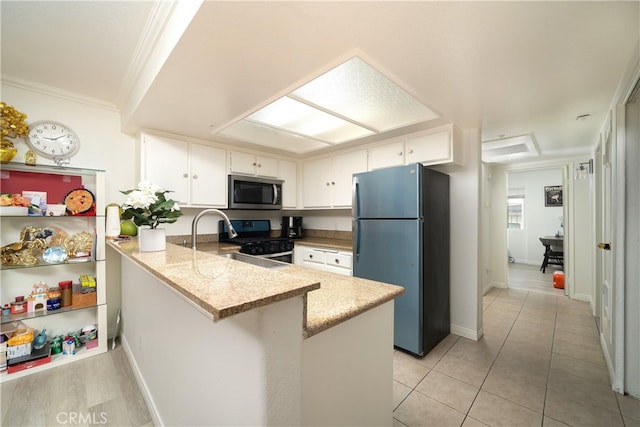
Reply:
x=360, y=93
x=349, y=102
x=294, y=116
x=256, y=133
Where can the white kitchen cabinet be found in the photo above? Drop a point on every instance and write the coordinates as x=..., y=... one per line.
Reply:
x=441, y=145
x=165, y=162
x=83, y=237
x=332, y=260
x=195, y=173
x=316, y=186
x=288, y=173
x=387, y=155
x=327, y=182
x=208, y=180
x=250, y=164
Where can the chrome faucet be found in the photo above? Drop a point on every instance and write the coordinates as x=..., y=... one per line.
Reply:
x=194, y=225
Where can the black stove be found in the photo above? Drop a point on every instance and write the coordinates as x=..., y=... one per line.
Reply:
x=254, y=237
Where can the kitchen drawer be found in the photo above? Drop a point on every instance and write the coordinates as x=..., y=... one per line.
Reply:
x=337, y=270
x=313, y=255
x=338, y=259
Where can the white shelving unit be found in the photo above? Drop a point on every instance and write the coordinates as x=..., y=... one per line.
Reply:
x=18, y=280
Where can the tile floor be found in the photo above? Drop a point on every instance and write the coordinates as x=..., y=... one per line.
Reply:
x=538, y=364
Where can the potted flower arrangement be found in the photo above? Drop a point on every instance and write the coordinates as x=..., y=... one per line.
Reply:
x=12, y=125
x=148, y=205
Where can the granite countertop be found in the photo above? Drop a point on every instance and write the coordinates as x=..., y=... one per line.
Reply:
x=326, y=242
x=223, y=287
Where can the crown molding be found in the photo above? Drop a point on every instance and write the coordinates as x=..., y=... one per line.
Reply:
x=153, y=29
x=7, y=80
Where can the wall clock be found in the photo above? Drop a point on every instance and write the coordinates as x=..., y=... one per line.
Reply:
x=53, y=140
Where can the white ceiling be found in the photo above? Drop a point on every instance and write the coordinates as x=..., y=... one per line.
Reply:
x=509, y=68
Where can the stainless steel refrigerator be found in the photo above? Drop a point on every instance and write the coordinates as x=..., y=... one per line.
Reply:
x=401, y=236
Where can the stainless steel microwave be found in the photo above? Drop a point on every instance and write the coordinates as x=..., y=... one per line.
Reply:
x=249, y=192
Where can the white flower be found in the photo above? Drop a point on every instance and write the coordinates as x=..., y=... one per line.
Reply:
x=149, y=188
x=140, y=199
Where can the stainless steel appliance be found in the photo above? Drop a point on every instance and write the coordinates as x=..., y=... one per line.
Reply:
x=254, y=238
x=401, y=236
x=249, y=192
x=292, y=227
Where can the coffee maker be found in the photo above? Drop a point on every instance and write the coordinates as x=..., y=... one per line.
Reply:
x=292, y=227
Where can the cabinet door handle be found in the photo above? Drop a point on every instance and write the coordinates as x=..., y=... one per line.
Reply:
x=195, y=176
x=185, y=175
x=337, y=261
x=400, y=153
x=411, y=151
x=310, y=256
x=254, y=163
x=333, y=183
x=328, y=184
x=259, y=165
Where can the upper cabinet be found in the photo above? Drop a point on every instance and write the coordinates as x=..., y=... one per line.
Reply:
x=288, y=172
x=195, y=173
x=250, y=164
x=436, y=146
x=327, y=181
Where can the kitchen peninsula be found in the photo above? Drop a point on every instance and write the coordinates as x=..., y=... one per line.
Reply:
x=215, y=341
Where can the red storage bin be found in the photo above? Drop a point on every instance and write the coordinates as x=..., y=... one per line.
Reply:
x=558, y=280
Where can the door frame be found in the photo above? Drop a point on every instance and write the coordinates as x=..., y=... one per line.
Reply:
x=567, y=189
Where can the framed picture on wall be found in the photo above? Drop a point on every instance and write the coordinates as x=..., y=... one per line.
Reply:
x=553, y=195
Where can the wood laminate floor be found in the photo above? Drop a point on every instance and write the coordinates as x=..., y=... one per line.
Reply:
x=99, y=390
x=526, y=277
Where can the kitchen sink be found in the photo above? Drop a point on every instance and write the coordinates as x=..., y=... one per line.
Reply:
x=260, y=262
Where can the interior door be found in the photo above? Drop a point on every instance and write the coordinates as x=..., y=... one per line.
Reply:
x=607, y=288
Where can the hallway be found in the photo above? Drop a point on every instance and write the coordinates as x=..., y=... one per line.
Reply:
x=539, y=363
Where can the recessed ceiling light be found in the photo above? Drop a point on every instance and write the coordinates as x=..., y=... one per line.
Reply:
x=510, y=148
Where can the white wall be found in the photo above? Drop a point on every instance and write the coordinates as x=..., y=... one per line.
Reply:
x=539, y=220
x=632, y=249
x=466, y=289
x=497, y=265
x=103, y=146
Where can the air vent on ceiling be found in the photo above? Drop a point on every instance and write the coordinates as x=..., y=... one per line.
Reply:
x=504, y=150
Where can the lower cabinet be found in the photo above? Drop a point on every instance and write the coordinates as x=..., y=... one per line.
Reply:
x=332, y=260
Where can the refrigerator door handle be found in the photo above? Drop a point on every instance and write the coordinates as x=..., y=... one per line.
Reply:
x=356, y=198
x=357, y=245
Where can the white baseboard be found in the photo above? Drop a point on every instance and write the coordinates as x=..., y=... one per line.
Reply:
x=608, y=361
x=153, y=410
x=491, y=285
x=583, y=297
x=465, y=332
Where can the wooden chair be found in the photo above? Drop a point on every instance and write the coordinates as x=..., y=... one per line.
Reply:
x=553, y=253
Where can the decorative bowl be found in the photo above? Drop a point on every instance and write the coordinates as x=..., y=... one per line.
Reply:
x=7, y=154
